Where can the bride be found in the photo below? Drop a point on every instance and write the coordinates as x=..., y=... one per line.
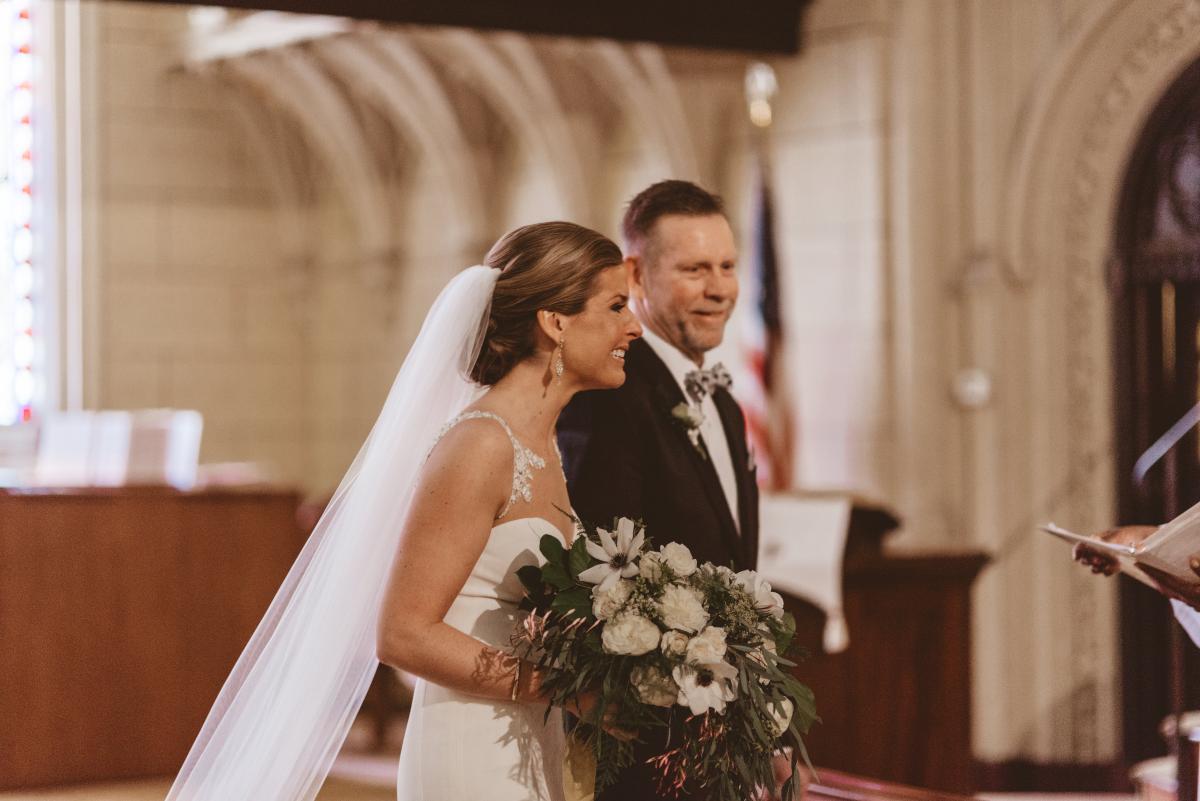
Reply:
x=414, y=560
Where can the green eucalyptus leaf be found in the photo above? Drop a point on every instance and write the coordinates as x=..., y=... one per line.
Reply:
x=579, y=560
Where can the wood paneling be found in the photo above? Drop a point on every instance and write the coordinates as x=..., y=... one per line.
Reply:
x=896, y=704
x=121, y=613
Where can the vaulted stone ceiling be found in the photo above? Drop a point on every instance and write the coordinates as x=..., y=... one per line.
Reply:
x=354, y=108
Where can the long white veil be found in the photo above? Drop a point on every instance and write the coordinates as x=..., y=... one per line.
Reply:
x=285, y=709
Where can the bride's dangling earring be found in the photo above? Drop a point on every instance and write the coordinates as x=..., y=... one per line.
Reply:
x=558, y=362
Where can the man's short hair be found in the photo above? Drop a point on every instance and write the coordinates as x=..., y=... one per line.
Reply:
x=662, y=199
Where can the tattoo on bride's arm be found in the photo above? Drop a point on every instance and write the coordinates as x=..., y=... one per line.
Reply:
x=496, y=669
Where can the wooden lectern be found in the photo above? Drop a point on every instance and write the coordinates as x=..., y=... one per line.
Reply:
x=896, y=704
x=122, y=612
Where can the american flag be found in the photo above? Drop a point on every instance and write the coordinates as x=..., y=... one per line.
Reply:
x=766, y=402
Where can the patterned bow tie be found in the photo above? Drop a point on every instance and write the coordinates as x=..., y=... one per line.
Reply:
x=699, y=383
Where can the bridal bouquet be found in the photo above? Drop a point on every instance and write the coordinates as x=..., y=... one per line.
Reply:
x=695, y=651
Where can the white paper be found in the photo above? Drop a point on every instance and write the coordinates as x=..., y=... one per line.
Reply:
x=802, y=542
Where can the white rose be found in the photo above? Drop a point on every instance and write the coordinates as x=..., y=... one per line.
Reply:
x=682, y=609
x=650, y=566
x=760, y=590
x=606, y=603
x=781, y=715
x=674, y=643
x=653, y=686
x=678, y=558
x=707, y=647
x=725, y=573
x=629, y=634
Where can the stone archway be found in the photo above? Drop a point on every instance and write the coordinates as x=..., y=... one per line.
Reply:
x=1059, y=210
x=1155, y=297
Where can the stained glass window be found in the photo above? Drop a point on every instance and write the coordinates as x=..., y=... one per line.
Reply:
x=19, y=324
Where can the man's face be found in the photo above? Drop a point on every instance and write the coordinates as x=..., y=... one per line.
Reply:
x=684, y=281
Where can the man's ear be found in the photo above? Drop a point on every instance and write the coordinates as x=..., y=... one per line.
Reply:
x=552, y=324
x=635, y=271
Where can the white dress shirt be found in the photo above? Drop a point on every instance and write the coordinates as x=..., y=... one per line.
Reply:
x=711, y=430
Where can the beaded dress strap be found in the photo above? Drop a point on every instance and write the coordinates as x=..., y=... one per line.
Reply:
x=525, y=461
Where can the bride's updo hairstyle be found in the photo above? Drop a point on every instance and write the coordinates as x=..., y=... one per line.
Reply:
x=551, y=266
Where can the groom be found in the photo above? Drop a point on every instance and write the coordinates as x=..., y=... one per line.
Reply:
x=669, y=446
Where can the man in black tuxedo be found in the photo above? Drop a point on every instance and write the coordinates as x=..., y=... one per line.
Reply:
x=669, y=446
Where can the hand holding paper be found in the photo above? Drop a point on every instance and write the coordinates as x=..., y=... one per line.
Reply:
x=1166, y=558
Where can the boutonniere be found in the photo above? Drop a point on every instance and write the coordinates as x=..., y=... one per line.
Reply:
x=691, y=418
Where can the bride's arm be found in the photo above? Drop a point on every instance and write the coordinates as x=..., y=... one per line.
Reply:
x=465, y=482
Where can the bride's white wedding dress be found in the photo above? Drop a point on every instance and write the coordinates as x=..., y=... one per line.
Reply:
x=461, y=747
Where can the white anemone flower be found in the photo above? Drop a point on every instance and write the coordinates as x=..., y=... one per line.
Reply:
x=618, y=558
x=705, y=687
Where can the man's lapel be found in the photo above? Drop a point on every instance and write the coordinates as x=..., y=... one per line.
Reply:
x=670, y=395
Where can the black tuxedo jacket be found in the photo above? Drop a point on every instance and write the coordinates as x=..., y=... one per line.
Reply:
x=626, y=456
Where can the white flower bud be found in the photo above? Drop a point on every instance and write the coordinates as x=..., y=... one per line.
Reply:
x=674, y=644
x=781, y=715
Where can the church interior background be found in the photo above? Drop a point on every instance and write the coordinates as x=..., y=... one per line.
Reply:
x=247, y=214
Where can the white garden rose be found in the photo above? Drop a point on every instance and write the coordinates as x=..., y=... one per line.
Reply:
x=653, y=686
x=678, y=558
x=682, y=609
x=781, y=715
x=630, y=634
x=760, y=590
x=607, y=602
x=707, y=647
x=674, y=643
x=650, y=566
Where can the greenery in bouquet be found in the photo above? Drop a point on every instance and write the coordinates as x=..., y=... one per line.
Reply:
x=660, y=641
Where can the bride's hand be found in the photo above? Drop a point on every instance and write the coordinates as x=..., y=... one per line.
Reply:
x=584, y=708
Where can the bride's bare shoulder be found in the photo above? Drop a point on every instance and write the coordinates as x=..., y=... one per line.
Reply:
x=469, y=470
x=473, y=446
